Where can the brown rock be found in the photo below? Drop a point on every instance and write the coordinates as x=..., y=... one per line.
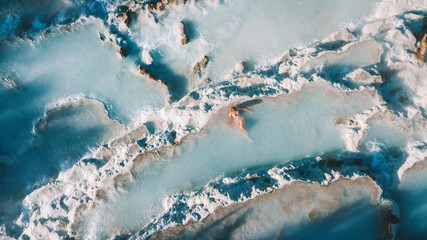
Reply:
x=421, y=51
x=200, y=66
x=144, y=72
x=184, y=40
x=160, y=6
x=126, y=16
x=122, y=52
x=182, y=32
x=150, y=7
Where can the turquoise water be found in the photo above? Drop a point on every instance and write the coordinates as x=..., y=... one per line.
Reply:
x=283, y=129
x=296, y=212
x=359, y=220
x=66, y=93
x=69, y=134
x=76, y=62
x=411, y=196
x=252, y=31
x=49, y=74
x=384, y=134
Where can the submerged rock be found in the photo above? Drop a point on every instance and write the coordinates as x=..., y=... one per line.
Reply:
x=9, y=81
x=361, y=76
x=342, y=35
x=66, y=106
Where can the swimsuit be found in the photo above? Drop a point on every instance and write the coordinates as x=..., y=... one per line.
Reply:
x=237, y=118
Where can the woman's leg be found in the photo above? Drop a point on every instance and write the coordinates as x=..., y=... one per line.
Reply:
x=241, y=125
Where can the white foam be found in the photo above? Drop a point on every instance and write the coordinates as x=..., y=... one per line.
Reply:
x=389, y=8
x=199, y=204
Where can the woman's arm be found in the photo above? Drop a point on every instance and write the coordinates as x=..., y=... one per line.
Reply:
x=245, y=109
x=229, y=119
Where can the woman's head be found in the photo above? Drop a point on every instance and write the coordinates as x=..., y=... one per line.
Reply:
x=233, y=109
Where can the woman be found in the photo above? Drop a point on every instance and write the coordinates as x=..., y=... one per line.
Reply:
x=238, y=119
